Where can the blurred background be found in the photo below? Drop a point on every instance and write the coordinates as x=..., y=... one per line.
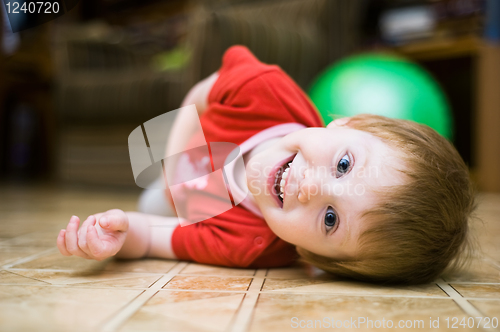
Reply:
x=72, y=89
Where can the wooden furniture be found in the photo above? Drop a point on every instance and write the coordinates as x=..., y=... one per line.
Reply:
x=488, y=117
x=484, y=108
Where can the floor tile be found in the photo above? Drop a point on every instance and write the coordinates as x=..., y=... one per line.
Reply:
x=286, y=285
x=276, y=312
x=490, y=308
x=349, y=287
x=7, y=232
x=479, y=271
x=150, y=265
x=11, y=227
x=57, y=261
x=35, y=308
x=45, y=239
x=297, y=271
x=7, y=277
x=488, y=229
x=10, y=254
x=203, y=269
x=185, y=312
x=93, y=278
x=209, y=283
x=478, y=290
x=488, y=232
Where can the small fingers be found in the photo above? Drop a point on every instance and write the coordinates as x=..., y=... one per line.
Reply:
x=82, y=234
x=95, y=245
x=61, y=244
x=71, y=238
x=114, y=220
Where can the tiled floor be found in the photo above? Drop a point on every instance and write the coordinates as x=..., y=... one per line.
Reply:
x=41, y=290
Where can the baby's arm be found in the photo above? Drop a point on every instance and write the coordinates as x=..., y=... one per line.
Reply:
x=153, y=231
x=182, y=128
x=120, y=234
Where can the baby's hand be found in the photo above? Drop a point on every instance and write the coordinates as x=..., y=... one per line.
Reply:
x=92, y=241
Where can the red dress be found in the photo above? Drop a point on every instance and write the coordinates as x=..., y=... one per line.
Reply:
x=249, y=100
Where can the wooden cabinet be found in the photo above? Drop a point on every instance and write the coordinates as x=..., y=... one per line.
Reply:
x=475, y=102
x=487, y=122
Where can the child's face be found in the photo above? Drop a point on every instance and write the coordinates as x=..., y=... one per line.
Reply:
x=326, y=189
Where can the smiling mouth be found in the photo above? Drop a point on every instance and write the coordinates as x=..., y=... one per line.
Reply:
x=280, y=178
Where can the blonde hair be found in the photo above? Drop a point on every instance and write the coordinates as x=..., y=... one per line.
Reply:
x=420, y=228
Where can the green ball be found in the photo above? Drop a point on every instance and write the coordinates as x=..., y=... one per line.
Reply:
x=384, y=85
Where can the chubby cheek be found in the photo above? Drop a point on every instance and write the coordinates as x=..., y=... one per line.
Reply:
x=281, y=230
x=276, y=222
x=287, y=229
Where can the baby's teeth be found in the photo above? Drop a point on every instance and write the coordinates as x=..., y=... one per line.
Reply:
x=282, y=183
x=281, y=195
x=285, y=175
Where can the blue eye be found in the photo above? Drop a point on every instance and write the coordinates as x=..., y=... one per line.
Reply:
x=343, y=166
x=330, y=218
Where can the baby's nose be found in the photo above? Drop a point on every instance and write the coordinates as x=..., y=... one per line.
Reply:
x=311, y=185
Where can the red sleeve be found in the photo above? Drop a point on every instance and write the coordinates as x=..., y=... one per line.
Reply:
x=236, y=238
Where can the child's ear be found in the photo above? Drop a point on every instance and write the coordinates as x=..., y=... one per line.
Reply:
x=338, y=123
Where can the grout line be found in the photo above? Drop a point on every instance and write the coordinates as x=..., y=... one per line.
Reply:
x=243, y=317
x=462, y=302
x=130, y=272
x=29, y=258
x=215, y=275
x=14, y=269
x=122, y=277
x=356, y=294
x=20, y=275
x=459, y=300
x=132, y=307
x=72, y=286
x=472, y=283
x=244, y=292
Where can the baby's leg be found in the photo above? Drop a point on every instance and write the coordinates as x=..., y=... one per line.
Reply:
x=154, y=201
